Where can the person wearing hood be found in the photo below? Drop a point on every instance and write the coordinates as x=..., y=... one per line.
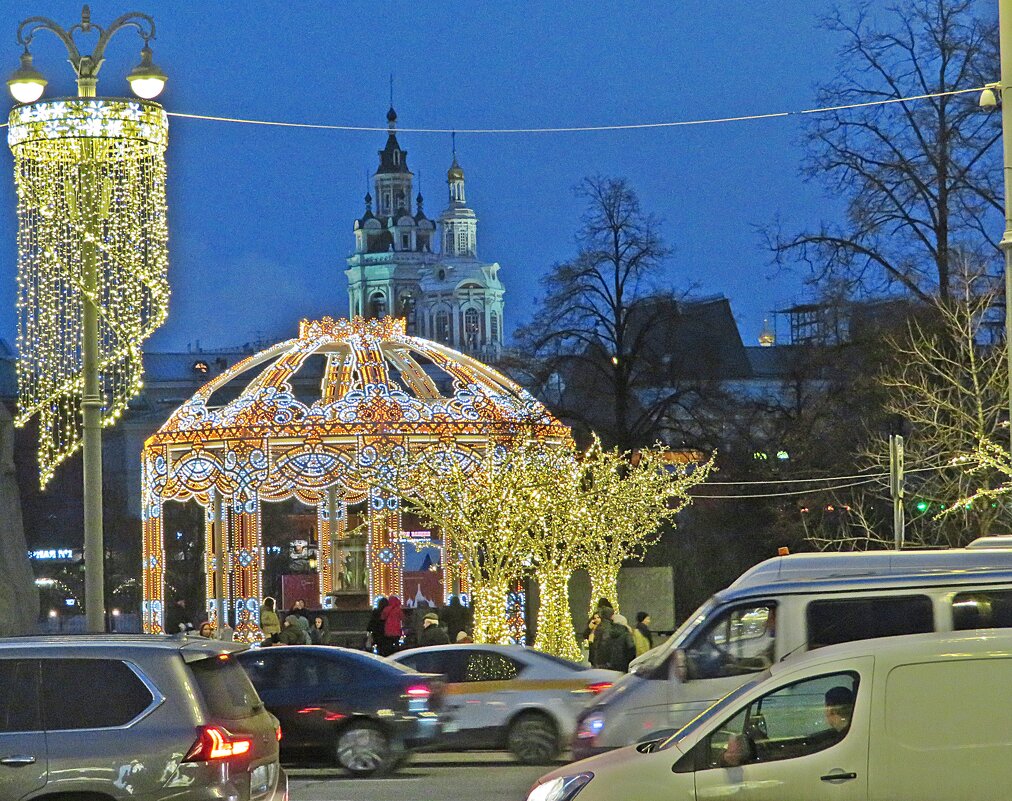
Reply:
x=393, y=626
x=319, y=630
x=292, y=632
x=270, y=623
x=303, y=624
x=432, y=632
x=642, y=635
x=598, y=637
x=619, y=649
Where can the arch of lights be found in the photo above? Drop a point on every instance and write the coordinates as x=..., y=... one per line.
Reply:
x=380, y=406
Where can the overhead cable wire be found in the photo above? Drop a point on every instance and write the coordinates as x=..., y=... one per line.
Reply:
x=869, y=476
x=632, y=126
x=786, y=493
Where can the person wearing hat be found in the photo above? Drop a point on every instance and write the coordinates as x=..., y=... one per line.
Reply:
x=432, y=632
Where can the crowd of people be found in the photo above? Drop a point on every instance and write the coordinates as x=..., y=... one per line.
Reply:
x=611, y=642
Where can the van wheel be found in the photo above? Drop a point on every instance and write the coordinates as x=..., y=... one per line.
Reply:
x=533, y=739
x=363, y=749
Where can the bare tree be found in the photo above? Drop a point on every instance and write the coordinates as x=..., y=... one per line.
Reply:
x=920, y=177
x=598, y=312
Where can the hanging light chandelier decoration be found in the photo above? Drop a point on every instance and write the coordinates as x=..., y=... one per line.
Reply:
x=90, y=176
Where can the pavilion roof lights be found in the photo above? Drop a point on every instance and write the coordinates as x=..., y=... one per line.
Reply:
x=377, y=379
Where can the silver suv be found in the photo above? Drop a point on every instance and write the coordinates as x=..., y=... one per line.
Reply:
x=109, y=717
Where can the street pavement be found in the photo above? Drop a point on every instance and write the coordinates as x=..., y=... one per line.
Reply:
x=480, y=776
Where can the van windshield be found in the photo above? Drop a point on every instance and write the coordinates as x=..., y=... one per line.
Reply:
x=716, y=708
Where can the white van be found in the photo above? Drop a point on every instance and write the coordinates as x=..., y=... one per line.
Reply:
x=790, y=604
x=918, y=718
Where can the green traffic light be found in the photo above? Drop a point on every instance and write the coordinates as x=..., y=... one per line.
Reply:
x=922, y=506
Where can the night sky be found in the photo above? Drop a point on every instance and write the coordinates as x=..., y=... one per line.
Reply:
x=261, y=218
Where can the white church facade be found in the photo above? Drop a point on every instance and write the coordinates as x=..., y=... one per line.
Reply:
x=424, y=270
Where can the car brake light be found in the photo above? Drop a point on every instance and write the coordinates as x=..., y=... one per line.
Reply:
x=277, y=732
x=215, y=742
x=418, y=691
x=598, y=687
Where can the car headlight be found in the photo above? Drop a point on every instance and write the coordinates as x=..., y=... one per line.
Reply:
x=590, y=726
x=563, y=788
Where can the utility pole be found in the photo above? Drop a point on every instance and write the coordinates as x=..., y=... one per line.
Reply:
x=896, y=488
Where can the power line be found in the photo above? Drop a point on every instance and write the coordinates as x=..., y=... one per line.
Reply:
x=869, y=476
x=572, y=128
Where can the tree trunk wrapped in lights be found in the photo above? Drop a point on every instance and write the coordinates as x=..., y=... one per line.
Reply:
x=90, y=178
x=626, y=500
x=555, y=620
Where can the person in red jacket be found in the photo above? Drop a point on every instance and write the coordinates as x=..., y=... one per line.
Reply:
x=393, y=627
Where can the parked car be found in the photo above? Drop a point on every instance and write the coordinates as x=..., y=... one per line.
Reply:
x=921, y=717
x=506, y=696
x=790, y=604
x=366, y=712
x=126, y=717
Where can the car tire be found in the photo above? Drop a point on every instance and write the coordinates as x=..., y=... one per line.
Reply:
x=363, y=749
x=533, y=739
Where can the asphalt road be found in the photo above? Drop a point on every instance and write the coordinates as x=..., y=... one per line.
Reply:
x=484, y=776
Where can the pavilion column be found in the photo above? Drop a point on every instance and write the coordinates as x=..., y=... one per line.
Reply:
x=385, y=565
x=332, y=517
x=153, y=568
x=246, y=571
x=216, y=565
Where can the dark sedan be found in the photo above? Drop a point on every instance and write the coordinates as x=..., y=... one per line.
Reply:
x=366, y=712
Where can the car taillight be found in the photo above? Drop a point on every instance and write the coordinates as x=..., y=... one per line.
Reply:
x=598, y=687
x=216, y=742
x=418, y=691
x=277, y=732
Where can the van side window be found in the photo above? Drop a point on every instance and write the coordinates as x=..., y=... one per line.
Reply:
x=792, y=721
x=982, y=609
x=741, y=640
x=846, y=620
x=19, y=695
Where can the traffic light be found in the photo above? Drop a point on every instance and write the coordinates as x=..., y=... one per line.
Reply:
x=922, y=506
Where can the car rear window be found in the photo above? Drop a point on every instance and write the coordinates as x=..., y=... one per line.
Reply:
x=226, y=688
x=846, y=620
x=91, y=694
x=19, y=695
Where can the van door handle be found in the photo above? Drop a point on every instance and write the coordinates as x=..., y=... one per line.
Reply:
x=839, y=777
x=18, y=761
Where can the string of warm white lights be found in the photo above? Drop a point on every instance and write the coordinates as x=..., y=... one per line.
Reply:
x=630, y=126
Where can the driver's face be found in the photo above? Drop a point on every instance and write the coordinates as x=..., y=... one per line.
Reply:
x=838, y=717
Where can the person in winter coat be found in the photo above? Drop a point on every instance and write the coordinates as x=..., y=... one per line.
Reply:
x=619, y=648
x=303, y=624
x=177, y=618
x=456, y=616
x=319, y=630
x=599, y=645
x=292, y=632
x=393, y=626
x=270, y=623
x=375, y=625
x=642, y=635
x=591, y=638
x=432, y=632
x=299, y=610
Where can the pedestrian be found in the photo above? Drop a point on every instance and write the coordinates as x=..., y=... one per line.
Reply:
x=432, y=632
x=291, y=634
x=463, y=638
x=619, y=648
x=602, y=632
x=177, y=618
x=642, y=635
x=319, y=630
x=393, y=626
x=303, y=624
x=455, y=616
x=299, y=610
x=270, y=623
x=374, y=628
x=589, y=636
x=206, y=630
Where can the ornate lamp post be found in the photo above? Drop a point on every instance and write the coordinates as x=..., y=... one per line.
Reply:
x=92, y=256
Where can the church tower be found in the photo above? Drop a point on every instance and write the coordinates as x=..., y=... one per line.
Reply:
x=446, y=295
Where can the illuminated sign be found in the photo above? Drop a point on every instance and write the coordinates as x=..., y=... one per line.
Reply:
x=53, y=554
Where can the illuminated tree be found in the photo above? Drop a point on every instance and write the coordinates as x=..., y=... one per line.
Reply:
x=626, y=500
x=481, y=507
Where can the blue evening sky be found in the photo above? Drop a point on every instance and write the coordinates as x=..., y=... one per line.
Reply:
x=261, y=217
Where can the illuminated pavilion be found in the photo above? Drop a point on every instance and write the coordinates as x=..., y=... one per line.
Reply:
x=385, y=397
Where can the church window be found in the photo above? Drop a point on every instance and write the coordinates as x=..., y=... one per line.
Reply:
x=462, y=240
x=405, y=241
x=423, y=242
x=407, y=311
x=443, y=332
x=377, y=305
x=386, y=202
x=442, y=275
x=494, y=325
x=472, y=328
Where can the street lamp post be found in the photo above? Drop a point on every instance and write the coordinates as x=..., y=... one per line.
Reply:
x=100, y=146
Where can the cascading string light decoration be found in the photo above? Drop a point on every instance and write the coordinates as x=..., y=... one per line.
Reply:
x=90, y=177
